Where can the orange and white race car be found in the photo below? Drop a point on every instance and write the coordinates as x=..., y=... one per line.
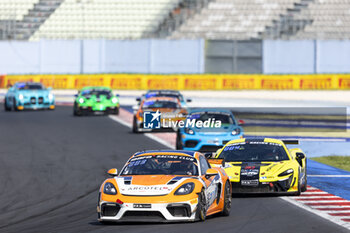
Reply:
x=165, y=185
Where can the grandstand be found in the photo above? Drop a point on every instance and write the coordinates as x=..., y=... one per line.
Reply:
x=174, y=19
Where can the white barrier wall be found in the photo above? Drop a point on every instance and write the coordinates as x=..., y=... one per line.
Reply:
x=102, y=56
x=162, y=56
x=305, y=57
x=285, y=57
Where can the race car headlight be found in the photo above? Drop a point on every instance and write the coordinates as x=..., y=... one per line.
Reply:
x=185, y=189
x=285, y=173
x=189, y=131
x=20, y=96
x=81, y=100
x=109, y=189
x=114, y=100
x=236, y=131
x=50, y=96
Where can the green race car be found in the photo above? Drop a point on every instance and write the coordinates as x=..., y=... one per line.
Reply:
x=95, y=100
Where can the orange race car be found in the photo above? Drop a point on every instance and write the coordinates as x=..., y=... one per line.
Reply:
x=165, y=185
x=158, y=114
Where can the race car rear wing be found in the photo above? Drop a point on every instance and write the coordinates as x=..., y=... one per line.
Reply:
x=291, y=142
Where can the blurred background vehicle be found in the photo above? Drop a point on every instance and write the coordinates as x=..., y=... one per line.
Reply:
x=28, y=95
x=170, y=112
x=164, y=93
x=96, y=100
x=210, y=138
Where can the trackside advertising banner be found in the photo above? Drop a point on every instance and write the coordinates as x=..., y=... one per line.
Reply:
x=187, y=81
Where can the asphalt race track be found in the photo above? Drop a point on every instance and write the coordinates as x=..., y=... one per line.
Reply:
x=51, y=166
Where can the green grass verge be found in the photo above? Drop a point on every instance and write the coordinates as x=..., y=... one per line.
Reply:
x=342, y=162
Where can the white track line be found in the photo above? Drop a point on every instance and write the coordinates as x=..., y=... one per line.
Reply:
x=323, y=214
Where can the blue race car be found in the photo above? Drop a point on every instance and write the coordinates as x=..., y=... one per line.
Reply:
x=164, y=93
x=29, y=95
x=211, y=138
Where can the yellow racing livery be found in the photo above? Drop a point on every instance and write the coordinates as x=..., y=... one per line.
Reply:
x=263, y=166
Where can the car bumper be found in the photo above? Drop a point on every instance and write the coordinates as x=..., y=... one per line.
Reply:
x=282, y=186
x=89, y=109
x=159, y=212
x=28, y=105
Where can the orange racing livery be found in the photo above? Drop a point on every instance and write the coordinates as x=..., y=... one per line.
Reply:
x=164, y=185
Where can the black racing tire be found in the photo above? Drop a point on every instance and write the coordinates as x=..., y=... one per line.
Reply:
x=134, y=126
x=201, y=212
x=14, y=105
x=116, y=111
x=179, y=145
x=227, y=200
x=297, y=193
x=76, y=111
x=7, y=108
x=304, y=188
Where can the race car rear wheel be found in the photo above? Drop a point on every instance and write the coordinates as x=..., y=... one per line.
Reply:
x=201, y=212
x=7, y=108
x=227, y=200
x=116, y=111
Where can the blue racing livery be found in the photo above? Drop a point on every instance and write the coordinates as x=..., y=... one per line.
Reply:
x=212, y=138
x=29, y=95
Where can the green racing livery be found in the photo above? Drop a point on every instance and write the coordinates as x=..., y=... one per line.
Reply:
x=96, y=100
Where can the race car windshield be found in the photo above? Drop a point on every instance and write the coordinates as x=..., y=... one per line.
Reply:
x=251, y=152
x=97, y=93
x=164, y=94
x=203, y=116
x=160, y=104
x=161, y=165
x=30, y=86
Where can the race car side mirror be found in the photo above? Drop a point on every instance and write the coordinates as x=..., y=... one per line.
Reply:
x=117, y=95
x=211, y=172
x=76, y=95
x=209, y=155
x=189, y=100
x=138, y=99
x=300, y=155
x=113, y=172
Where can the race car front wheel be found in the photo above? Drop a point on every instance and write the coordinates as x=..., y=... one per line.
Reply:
x=135, y=129
x=7, y=108
x=178, y=142
x=304, y=188
x=227, y=200
x=201, y=212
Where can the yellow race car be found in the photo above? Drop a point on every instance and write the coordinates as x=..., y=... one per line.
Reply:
x=263, y=166
x=164, y=186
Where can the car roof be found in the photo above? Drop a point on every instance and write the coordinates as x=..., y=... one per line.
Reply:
x=164, y=91
x=272, y=140
x=95, y=87
x=163, y=98
x=182, y=152
x=210, y=110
